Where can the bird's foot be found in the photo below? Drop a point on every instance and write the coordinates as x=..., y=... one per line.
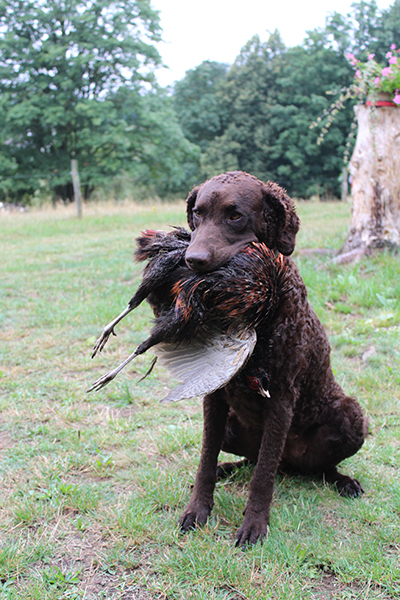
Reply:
x=103, y=339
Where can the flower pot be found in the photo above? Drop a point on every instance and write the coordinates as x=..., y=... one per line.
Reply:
x=380, y=99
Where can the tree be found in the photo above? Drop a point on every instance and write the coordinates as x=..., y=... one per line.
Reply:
x=366, y=30
x=61, y=66
x=257, y=116
x=196, y=102
x=162, y=155
x=375, y=162
x=375, y=168
x=367, y=19
x=389, y=31
x=199, y=112
x=270, y=97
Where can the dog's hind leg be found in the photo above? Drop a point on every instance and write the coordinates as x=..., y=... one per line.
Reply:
x=318, y=450
x=240, y=439
x=345, y=485
x=226, y=469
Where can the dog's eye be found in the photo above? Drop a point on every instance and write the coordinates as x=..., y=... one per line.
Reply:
x=235, y=216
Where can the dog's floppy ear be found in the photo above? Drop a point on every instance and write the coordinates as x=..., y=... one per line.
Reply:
x=190, y=201
x=281, y=222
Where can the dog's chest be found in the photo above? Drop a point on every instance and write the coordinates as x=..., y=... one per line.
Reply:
x=249, y=405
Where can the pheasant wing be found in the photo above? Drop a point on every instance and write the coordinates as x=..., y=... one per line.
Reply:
x=205, y=367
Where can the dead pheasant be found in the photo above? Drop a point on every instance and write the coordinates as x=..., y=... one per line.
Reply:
x=206, y=325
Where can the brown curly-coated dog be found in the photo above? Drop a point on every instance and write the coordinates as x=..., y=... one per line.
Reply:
x=307, y=424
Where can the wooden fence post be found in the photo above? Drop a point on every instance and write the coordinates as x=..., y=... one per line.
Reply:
x=77, y=187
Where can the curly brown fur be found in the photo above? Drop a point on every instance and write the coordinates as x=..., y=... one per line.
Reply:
x=231, y=210
x=308, y=425
x=231, y=271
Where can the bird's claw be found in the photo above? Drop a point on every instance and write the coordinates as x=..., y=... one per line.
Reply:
x=103, y=339
x=102, y=381
x=105, y=379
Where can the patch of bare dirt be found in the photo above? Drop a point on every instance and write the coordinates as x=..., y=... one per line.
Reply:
x=6, y=441
x=86, y=554
x=332, y=588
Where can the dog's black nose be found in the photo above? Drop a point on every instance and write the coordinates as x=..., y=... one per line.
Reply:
x=197, y=261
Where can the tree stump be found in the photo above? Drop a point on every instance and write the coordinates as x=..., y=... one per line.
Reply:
x=375, y=180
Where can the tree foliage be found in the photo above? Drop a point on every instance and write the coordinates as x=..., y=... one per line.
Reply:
x=163, y=154
x=77, y=81
x=271, y=95
x=73, y=77
x=197, y=104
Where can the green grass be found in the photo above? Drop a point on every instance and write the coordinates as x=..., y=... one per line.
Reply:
x=92, y=485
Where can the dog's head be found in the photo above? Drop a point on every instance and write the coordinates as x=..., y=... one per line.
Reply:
x=229, y=211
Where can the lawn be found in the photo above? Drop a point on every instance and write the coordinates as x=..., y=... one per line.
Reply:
x=92, y=485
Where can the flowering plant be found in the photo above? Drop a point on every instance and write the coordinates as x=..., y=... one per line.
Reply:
x=371, y=78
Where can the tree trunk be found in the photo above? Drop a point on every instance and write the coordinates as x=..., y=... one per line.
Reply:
x=375, y=180
x=345, y=184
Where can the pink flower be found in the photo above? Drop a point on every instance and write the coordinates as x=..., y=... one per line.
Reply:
x=396, y=99
x=386, y=71
x=389, y=54
x=358, y=73
x=352, y=59
x=393, y=47
x=371, y=56
x=393, y=60
x=377, y=80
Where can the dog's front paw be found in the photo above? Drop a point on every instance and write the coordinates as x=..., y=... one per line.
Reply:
x=347, y=486
x=253, y=530
x=194, y=515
